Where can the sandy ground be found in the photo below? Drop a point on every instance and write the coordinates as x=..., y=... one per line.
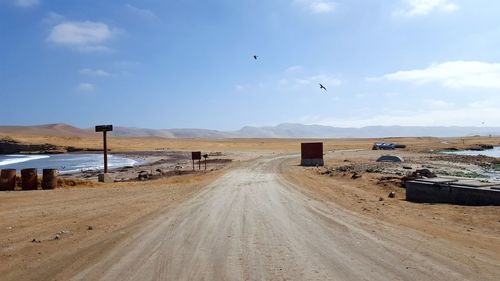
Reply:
x=117, y=144
x=112, y=211
x=475, y=231
x=261, y=217
x=265, y=219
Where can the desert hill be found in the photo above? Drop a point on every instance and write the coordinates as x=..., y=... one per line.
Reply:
x=286, y=130
x=59, y=129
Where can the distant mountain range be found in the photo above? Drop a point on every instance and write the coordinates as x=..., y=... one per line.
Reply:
x=286, y=130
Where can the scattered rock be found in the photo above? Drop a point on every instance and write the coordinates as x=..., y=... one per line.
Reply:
x=356, y=176
x=327, y=172
x=380, y=199
x=392, y=194
x=425, y=173
x=389, y=180
x=35, y=241
x=407, y=168
x=57, y=237
x=372, y=170
x=418, y=174
x=143, y=175
x=344, y=169
x=90, y=227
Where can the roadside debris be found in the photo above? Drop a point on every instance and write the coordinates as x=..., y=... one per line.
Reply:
x=418, y=174
x=143, y=175
x=60, y=234
x=356, y=176
x=392, y=194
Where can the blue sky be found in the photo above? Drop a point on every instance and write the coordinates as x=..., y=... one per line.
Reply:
x=166, y=64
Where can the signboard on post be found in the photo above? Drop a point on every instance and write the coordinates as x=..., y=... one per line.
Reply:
x=104, y=129
x=196, y=155
x=205, y=156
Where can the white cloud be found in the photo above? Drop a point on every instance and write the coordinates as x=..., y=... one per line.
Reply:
x=472, y=114
x=296, y=83
x=440, y=104
x=317, y=6
x=53, y=18
x=322, y=78
x=239, y=87
x=294, y=68
x=26, y=3
x=414, y=8
x=140, y=12
x=453, y=75
x=86, y=87
x=84, y=36
x=94, y=72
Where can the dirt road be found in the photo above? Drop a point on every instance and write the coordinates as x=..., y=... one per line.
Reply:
x=253, y=225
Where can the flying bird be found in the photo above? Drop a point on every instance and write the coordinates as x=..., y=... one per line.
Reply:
x=255, y=57
x=321, y=87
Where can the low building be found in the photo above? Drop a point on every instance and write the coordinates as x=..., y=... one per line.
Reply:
x=453, y=191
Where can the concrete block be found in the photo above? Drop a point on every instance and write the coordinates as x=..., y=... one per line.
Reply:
x=312, y=162
x=105, y=178
x=452, y=192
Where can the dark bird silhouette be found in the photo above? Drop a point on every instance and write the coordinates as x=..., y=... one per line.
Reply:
x=255, y=57
x=321, y=87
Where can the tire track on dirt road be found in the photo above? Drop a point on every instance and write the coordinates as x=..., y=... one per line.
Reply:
x=252, y=225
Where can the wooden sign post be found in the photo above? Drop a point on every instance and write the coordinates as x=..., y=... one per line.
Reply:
x=205, y=156
x=104, y=129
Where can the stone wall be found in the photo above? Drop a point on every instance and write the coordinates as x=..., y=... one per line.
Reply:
x=427, y=192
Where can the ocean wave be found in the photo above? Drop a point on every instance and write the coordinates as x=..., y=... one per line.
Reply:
x=20, y=159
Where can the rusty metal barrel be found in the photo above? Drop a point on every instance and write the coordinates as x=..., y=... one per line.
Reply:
x=49, y=180
x=8, y=180
x=29, y=179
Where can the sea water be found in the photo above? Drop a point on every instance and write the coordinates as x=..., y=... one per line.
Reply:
x=495, y=152
x=65, y=163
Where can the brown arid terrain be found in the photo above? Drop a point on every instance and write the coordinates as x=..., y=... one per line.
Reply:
x=473, y=232
x=122, y=144
x=42, y=233
x=261, y=217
